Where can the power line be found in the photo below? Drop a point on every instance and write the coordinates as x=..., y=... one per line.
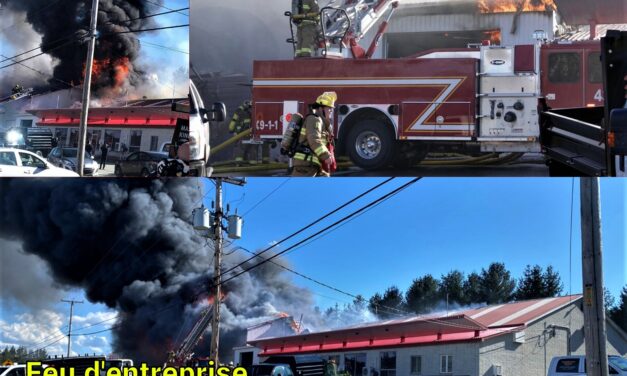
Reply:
x=41, y=73
x=149, y=16
x=164, y=7
x=312, y=223
x=150, y=44
x=319, y=282
x=267, y=196
x=143, y=30
x=34, y=56
x=334, y=224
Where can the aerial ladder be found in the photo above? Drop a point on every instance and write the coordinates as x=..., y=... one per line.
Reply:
x=185, y=351
x=344, y=23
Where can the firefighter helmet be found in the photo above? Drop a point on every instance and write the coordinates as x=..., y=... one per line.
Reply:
x=327, y=99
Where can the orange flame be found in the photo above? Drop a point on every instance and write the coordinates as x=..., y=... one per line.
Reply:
x=118, y=68
x=503, y=6
x=494, y=36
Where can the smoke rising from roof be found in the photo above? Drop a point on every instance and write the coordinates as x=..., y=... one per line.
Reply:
x=129, y=245
x=59, y=27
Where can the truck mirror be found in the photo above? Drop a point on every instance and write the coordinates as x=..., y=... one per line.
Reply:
x=217, y=112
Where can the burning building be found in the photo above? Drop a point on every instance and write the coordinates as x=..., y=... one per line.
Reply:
x=422, y=25
x=517, y=338
x=137, y=125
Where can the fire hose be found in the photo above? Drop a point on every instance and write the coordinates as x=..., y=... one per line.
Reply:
x=484, y=160
x=230, y=141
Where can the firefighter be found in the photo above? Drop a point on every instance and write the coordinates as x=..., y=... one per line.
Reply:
x=331, y=368
x=17, y=89
x=314, y=156
x=306, y=17
x=239, y=123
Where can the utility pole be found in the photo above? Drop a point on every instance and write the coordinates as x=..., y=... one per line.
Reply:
x=217, y=257
x=69, y=332
x=82, y=131
x=592, y=267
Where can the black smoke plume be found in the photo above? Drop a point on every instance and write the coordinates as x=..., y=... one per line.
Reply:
x=130, y=245
x=63, y=26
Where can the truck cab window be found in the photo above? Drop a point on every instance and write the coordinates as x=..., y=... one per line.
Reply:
x=564, y=67
x=595, y=71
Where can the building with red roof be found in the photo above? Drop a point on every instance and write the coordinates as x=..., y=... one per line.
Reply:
x=517, y=338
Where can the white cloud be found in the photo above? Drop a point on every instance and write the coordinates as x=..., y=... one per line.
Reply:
x=48, y=328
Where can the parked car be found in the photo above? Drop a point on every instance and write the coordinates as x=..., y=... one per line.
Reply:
x=13, y=370
x=575, y=365
x=269, y=370
x=17, y=162
x=139, y=163
x=67, y=158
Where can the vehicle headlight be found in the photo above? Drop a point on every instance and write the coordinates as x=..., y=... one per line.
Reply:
x=195, y=149
x=13, y=137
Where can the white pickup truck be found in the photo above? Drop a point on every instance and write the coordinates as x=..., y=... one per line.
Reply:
x=189, y=151
x=575, y=365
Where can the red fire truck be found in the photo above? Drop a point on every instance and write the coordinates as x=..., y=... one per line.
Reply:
x=396, y=110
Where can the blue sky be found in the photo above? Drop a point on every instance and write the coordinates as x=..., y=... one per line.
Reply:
x=434, y=226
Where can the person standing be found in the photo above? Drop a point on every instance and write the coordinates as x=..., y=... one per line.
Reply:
x=314, y=156
x=331, y=368
x=306, y=17
x=104, y=150
x=240, y=122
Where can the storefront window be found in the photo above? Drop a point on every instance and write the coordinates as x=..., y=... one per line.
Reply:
x=93, y=138
x=388, y=363
x=112, y=138
x=154, y=143
x=355, y=363
x=136, y=141
x=73, y=138
x=61, y=135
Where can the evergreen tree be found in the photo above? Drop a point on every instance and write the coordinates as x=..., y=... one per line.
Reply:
x=608, y=300
x=452, y=284
x=531, y=284
x=472, y=289
x=618, y=314
x=389, y=304
x=552, y=282
x=422, y=295
x=497, y=285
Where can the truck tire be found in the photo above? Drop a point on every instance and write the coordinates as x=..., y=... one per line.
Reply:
x=370, y=145
x=408, y=158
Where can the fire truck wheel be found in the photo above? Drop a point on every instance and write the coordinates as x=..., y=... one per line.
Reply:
x=370, y=145
x=410, y=158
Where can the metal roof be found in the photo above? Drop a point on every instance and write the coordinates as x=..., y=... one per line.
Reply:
x=462, y=326
x=583, y=33
x=583, y=12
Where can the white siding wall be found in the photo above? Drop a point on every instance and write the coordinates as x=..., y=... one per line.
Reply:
x=527, y=23
x=164, y=135
x=534, y=356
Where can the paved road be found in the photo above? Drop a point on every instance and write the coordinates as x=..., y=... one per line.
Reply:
x=528, y=165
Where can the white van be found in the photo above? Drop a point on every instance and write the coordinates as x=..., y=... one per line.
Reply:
x=575, y=365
